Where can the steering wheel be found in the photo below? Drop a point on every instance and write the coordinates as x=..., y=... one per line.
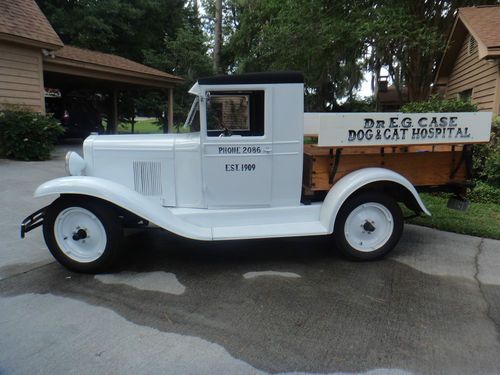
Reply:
x=226, y=133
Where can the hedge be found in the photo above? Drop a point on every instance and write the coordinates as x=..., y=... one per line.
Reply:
x=27, y=135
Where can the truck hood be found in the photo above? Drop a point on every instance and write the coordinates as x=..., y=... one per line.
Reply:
x=160, y=166
x=142, y=142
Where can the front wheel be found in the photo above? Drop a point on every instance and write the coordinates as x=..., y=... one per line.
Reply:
x=82, y=233
x=368, y=226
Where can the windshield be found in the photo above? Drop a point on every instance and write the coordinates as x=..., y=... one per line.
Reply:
x=193, y=118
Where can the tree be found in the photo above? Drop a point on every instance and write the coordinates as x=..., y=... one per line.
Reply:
x=408, y=37
x=229, y=24
x=332, y=42
x=218, y=36
x=313, y=36
x=127, y=108
x=126, y=28
x=185, y=55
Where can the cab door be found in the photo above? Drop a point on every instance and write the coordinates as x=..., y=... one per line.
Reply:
x=237, y=149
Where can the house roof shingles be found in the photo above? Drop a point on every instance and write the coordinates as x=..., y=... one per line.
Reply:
x=80, y=55
x=24, y=19
x=484, y=21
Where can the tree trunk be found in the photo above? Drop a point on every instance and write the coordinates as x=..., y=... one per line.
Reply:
x=218, y=35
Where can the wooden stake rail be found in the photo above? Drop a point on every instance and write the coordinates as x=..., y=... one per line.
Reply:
x=422, y=165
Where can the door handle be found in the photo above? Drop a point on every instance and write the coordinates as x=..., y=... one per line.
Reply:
x=267, y=149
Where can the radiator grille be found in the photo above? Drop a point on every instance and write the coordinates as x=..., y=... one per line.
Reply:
x=147, y=177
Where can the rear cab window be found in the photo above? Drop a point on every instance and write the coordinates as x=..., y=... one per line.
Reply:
x=235, y=113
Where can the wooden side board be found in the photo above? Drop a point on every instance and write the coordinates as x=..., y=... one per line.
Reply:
x=421, y=165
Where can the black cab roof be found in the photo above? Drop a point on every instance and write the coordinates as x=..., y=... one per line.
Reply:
x=253, y=78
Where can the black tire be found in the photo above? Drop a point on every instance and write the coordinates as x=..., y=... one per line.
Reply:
x=388, y=238
x=104, y=213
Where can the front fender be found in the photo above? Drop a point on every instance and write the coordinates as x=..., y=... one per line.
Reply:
x=128, y=199
x=353, y=181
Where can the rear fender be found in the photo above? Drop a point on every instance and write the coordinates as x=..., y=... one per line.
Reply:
x=126, y=198
x=357, y=180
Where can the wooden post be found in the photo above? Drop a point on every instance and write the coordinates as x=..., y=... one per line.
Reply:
x=114, y=112
x=171, y=128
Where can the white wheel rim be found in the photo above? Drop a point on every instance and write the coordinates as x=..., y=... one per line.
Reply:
x=368, y=227
x=84, y=250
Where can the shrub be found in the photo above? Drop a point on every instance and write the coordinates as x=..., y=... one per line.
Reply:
x=484, y=193
x=487, y=158
x=486, y=163
x=27, y=135
x=436, y=104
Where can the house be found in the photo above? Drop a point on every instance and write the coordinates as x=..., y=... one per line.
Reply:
x=388, y=97
x=33, y=57
x=469, y=67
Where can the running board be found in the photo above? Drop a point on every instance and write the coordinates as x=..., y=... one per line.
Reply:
x=265, y=222
x=311, y=228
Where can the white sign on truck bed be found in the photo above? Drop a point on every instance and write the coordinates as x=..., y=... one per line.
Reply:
x=385, y=129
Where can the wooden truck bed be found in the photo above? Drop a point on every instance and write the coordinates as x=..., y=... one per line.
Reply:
x=432, y=150
x=422, y=165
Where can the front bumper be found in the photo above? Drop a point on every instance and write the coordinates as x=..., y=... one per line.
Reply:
x=33, y=221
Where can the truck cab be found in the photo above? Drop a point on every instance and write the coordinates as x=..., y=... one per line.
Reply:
x=244, y=148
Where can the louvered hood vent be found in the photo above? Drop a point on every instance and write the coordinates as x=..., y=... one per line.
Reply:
x=147, y=177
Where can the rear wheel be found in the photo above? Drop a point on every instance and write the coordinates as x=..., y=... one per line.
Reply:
x=368, y=226
x=82, y=233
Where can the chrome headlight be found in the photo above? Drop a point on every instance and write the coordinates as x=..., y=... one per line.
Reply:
x=74, y=164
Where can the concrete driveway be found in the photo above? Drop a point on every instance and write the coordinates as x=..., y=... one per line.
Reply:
x=176, y=306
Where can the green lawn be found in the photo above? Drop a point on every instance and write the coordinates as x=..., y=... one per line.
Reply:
x=141, y=127
x=481, y=219
x=149, y=126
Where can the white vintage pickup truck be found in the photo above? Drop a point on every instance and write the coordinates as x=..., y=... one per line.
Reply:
x=244, y=172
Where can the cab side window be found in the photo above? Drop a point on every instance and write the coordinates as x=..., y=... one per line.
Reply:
x=239, y=113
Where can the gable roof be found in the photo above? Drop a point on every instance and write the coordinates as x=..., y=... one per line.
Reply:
x=482, y=22
x=74, y=55
x=22, y=21
x=104, y=67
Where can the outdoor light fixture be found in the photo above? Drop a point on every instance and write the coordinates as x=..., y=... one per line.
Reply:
x=74, y=164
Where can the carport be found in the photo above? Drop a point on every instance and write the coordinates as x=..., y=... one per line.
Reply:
x=72, y=68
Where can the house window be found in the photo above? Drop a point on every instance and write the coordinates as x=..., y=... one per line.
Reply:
x=471, y=45
x=465, y=95
x=238, y=113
